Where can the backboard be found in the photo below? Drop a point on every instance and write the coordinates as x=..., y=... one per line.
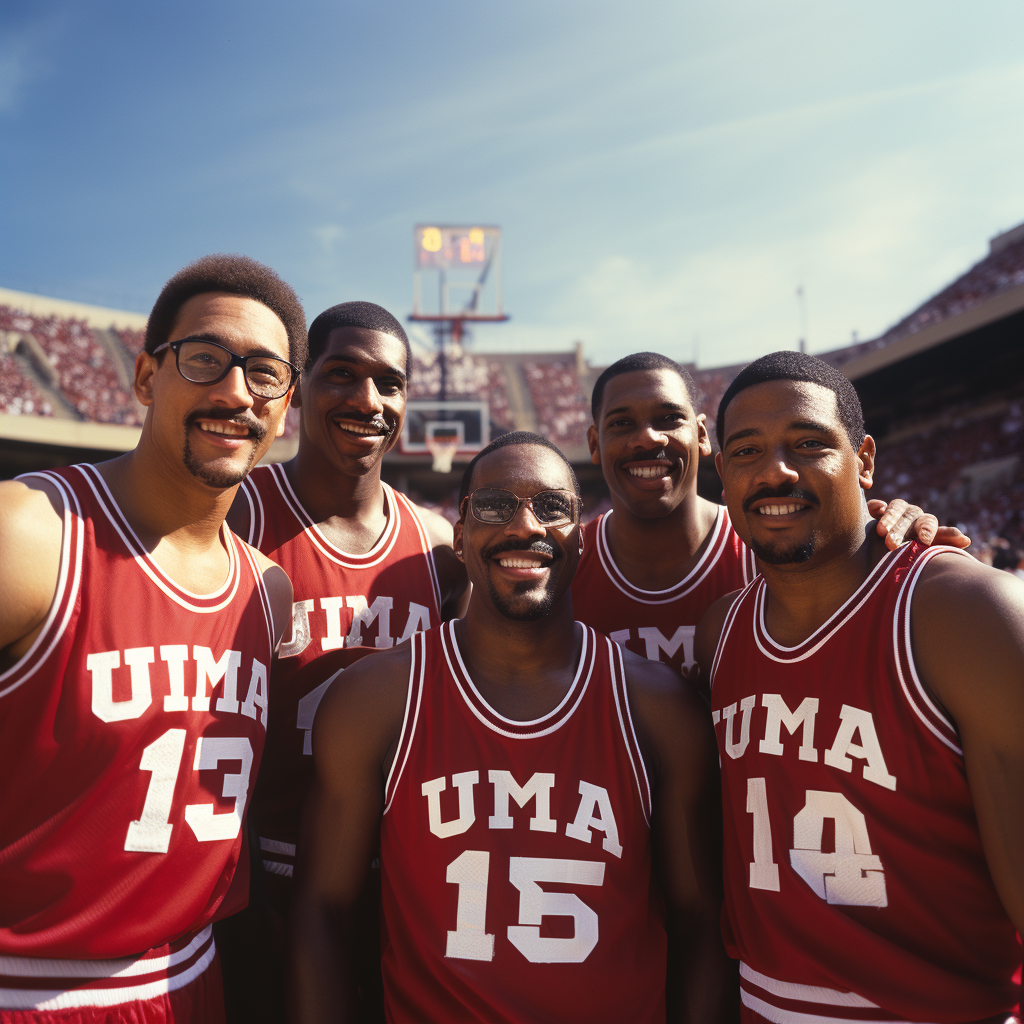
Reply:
x=468, y=423
x=457, y=272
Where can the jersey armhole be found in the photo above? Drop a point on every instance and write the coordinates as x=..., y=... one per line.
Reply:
x=921, y=702
x=724, y=635
x=413, y=699
x=65, y=597
x=261, y=586
x=616, y=665
x=428, y=550
x=252, y=497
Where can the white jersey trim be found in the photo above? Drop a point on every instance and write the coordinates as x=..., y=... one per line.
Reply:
x=428, y=552
x=617, y=668
x=417, y=669
x=730, y=620
x=381, y=548
x=69, y=580
x=101, y=970
x=707, y=561
x=784, y=655
x=903, y=650
x=575, y=693
x=252, y=496
x=146, y=562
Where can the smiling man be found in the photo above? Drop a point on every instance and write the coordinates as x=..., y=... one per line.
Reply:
x=136, y=633
x=653, y=565
x=369, y=569
x=869, y=706
x=529, y=782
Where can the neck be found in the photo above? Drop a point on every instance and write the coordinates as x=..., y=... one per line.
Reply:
x=326, y=493
x=678, y=539
x=802, y=597
x=161, y=500
x=510, y=653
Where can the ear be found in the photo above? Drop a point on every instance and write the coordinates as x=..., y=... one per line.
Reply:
x=866, y=460
x=457, y=540
x=297, y=393
x=581, y=540
x=145, y=370
x=595, y=446
x=703, y=438
x=718, y=466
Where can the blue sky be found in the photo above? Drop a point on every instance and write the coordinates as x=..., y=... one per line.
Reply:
x=665, y=174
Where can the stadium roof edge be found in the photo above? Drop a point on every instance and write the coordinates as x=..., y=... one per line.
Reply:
x=94, y=316
x=997, y=307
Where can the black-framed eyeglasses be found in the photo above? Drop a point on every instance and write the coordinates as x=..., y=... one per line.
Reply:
x=496, y=505
x=205, y=362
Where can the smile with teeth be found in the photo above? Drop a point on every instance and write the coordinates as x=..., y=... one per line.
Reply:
x=649, y=472
x=778, y=510
x=362, y=429
x=519, y=562
x=223, y=427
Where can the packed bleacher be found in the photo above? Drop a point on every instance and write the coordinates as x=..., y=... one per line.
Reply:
x=83, y=369
x=18, y=395
x=563, y=410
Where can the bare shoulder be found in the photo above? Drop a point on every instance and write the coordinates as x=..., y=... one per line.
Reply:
x=439, y=530
x=967, y=628
x=363, y=707
x=709, y=630
x=31, y=529
x=672, y=720
x=279, y=591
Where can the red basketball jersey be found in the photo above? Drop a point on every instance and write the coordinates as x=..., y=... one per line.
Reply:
x=130, y=737
x=515, y=856
x=345, y=607
x=657, y=624
x=856, y=883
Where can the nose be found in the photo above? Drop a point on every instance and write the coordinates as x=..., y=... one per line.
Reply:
x=525, y=524
x=366, y=398
x=776, y=471
x=232, y=391
x=648, y=436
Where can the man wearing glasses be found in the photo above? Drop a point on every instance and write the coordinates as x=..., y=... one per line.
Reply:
x=136, y=633
x=526, y=778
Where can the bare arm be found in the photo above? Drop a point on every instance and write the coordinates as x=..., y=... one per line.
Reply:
x=279, y=590
x=30, y=539
x=354, y=737
x=678, y=743
x=451, y=573
x=967, y=626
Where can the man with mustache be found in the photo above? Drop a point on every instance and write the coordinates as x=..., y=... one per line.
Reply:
x=653, y=565
x=136, y=633
x=524, y=776
x=369, y=569
x=869, y=708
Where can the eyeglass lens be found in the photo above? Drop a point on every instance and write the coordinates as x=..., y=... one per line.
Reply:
x=494, y=505
x=204, y=362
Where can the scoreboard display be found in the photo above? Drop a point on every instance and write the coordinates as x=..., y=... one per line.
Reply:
x=451, y=246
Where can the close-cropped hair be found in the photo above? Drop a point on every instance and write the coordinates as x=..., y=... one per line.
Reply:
x=797, y=366
x=641, y=361
x=355, y=314
x=504, y=441
x=235, y=275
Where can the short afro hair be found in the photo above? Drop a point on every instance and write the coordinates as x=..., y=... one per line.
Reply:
x=235, y=275
x=355, y=314
x=641, y=361
x=797, y=366
x=506, y=440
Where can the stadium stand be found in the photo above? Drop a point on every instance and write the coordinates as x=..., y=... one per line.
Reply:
x=563, y=410
x=18, y=395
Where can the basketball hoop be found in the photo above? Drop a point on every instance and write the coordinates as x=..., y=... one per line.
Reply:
x=442, y=448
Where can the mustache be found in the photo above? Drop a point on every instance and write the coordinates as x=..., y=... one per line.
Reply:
x=256, y=429
x=377, y=422
x=540, y=547
x=779, y=492
x=655, y=454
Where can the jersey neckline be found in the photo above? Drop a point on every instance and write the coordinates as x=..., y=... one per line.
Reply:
x=382, y=546
x=216, y=601
x=510, y=727
x=706, y=562
x=777, y=652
